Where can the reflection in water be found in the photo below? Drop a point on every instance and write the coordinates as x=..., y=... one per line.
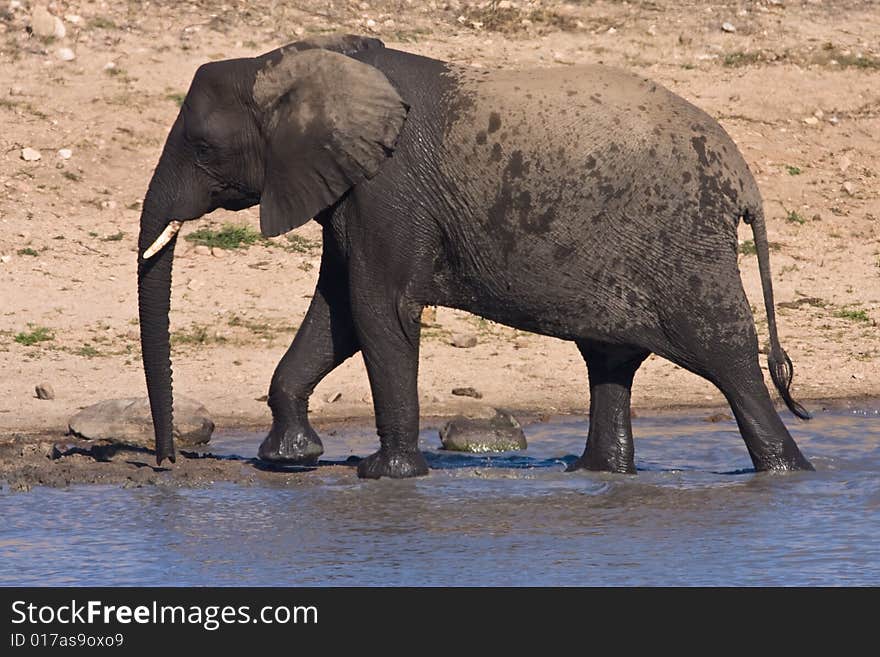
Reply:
x=695, y=514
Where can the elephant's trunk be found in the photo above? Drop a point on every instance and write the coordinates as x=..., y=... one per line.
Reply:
x=154, y=301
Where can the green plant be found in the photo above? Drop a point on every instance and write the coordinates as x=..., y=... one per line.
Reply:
x=299, y=244
x=101, y=23
x=35, y=335
x=228, y=237
x=177, y=97
x=794, y=218
x=87, y=351
x=853, y=315
x=747, y=248
x=792, y=171
x=70, y=175
x=740, y=58
x=28, y=251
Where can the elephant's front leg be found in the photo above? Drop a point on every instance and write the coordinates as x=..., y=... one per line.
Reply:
x=325, y=339
x=388, y=329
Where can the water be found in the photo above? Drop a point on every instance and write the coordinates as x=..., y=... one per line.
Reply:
x=696, y=514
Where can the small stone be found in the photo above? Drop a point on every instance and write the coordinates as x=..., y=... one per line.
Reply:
x=45, y=391
x=811, y=120
x=844, y=163
x=201, y=249
x=60, y=31
x=6, y=258
x=333, y=397
x=65, y=153
x=611, y=30
x=195, y=285
x=464, y=340
x=217, y=252
x=370, y=23
x=66, y=54
x=30, y=154
x=652, y=31
x=819, y=114
x=849, y=188
x=76, y=19
x=42, y=22
x=728, y=27
x=16, y=90
x=833, y=120
x=108, y=205
x=467, y=392
x=110, y=66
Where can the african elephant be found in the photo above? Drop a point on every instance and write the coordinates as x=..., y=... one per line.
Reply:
x=583, y=203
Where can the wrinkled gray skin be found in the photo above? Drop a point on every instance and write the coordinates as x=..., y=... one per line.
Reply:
x=582, y=203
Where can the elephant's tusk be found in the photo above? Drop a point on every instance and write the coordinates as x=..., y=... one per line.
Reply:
x=163, y=239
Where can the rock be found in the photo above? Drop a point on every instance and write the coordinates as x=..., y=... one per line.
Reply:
x=811, y=120
x=45, y=391
x=65, y=153
x=6, y=258
x=728, y=27
x=501, y=433
x=195, y=285
x=30, y=154
x=464, y=340
x=218, y=252
x=333, y=397
x=844, y=163
x=849, y=188
x=201, y=249
x=110, y=66
x=66, y=54
x=42, y=22
x=467, y=392
x=128, y=422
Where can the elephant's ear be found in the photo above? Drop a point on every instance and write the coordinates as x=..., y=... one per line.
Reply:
x=329, y=122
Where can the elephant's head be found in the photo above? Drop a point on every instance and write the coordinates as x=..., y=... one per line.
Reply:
x=292, y=130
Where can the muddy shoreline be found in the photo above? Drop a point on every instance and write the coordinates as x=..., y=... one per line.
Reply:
x=57, y=460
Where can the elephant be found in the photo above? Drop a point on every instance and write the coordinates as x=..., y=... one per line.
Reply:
x=580, y=202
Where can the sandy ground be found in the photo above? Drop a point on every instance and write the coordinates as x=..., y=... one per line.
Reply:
x=797, y=85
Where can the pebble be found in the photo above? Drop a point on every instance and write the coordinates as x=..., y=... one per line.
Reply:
x=217, y=252
x=464, y=340
x=728, y=27
x=467, y=392
x=844, y=163
x=42, y=22
x=333, y=397
x=811, y=120
x=45, y=391
x=30, y=154
x=5, y=259
x=66, y=54
x=16, y=90
x=195, y=285
x=109, y=66
x=65, y=153
x=201, y=249
x=849, y=188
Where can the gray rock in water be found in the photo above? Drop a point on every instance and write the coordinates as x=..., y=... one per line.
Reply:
x=501, y=433
x=128, y=421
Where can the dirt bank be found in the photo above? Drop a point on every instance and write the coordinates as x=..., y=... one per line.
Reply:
x=796, y=85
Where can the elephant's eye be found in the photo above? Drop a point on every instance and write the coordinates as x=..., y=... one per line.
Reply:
x=203, y=150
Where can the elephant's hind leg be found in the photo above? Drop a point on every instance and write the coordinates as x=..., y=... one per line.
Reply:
x=720, y=344
x=611, y=370
x=325, y=339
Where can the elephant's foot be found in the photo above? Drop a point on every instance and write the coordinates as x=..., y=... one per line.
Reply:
x=791, y=460
x=394, y=464
x=297, y=445
x=616, y=466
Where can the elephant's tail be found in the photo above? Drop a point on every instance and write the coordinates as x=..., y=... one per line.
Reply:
x=781, y=369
